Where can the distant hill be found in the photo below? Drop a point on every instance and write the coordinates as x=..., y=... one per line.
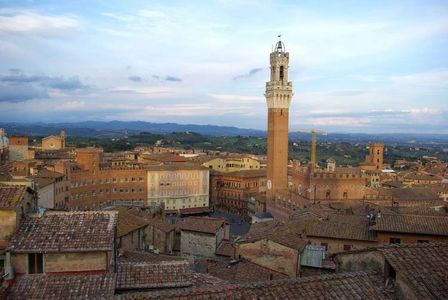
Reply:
x=120, y=128
x=111, y=129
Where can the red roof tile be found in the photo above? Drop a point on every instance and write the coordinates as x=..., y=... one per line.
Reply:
x=11, y=195
x=202, y=224
x=43, y=286
x=66, y=231
x=160, y=275
x=431, y=225
x=358, y=285
x=424, y=267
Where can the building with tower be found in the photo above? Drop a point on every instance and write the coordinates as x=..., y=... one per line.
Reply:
x=54, y=142
x=375, y=158
x=278, y=98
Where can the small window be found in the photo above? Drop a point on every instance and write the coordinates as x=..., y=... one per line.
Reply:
x=35, y=263
x=394, y=241
x=347, y=247
x=422, y=241
x=282, y=75
x=325, y=245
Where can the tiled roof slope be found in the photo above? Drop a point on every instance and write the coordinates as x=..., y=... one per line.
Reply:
x=203, y=224
x=65, y=232
x=147, y=257
x=423, y=266
x=11, y=195
x=432, y=225
x=49, y=287
x=294, y=233
x=128, y=222
x=172, y=274
x=241, y=272
x=358, y=285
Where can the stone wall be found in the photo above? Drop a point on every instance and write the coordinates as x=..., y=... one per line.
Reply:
x=367, y=261
x=197, y=244
x=271, y=255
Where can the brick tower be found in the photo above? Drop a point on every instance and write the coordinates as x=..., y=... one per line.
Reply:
x=278, y=98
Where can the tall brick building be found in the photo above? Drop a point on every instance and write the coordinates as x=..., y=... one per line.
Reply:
x=278, y=98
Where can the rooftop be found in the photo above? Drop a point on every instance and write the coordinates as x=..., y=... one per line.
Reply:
x=202, y=224
x=65, y=232
x=432, y=225
x=359, y=285
x=154, y=275
x=424, y=267
x=241, y=272
x=11, y=195
x=128, y=222
x=43, y=286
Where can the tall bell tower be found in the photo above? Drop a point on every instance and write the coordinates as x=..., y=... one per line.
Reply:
x=278, y=98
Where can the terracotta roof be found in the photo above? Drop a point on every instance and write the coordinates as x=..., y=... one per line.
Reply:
x=49, y=174
x=66, y=231
x=338, y=226
x=160, y=275
x=128, y=222
x=203, y=280
x=162, y=225
x=43, y=286
x=277, y=232
x=432, y=225
x=42, y=182
x=202, y=224
x=244, y=173
x=359, y=285
x=260, y=230
x=424, y=267
x=11, y=195
x=147, y=257
x=225, y=249
x=416, y=193
x=241, y=272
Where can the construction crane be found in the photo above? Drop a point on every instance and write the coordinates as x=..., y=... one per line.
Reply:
x=314, y=134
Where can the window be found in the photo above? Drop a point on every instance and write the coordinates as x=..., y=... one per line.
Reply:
x=394, y=240
x=422, y=241
x=35, y=263
x=325, y=245
x=347, y=247
x=281, y=72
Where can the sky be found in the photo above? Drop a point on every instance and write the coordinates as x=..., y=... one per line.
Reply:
x=355, y=66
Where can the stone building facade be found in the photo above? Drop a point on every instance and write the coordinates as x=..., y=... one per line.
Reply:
x=232, y=191
x=18, y=148
x=178, y=188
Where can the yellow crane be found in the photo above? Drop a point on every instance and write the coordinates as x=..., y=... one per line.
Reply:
x=314, y=134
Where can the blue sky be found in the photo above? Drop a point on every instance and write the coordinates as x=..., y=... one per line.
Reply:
x=356, y=66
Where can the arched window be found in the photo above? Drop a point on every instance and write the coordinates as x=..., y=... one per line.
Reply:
x=281, y=73
x=327, y=194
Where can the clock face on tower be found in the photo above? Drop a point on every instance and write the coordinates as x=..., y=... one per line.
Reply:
x=269, y=184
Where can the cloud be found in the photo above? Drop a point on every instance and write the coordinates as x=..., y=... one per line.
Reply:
x=20, y=93
x=31, y=23
x=135, y=78
x=237, y=98
x=251, y=73
x=18, y=86
x=172, y=78
x=156, y=76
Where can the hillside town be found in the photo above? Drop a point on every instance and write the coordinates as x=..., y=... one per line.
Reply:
x=168, y=223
